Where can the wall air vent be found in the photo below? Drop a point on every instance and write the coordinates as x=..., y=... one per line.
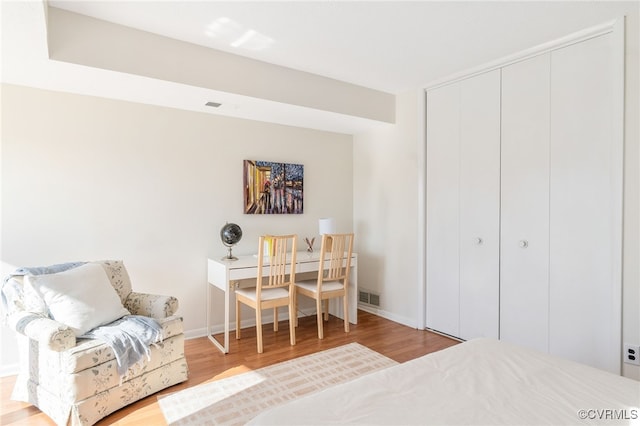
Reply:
x=368, y=298
x=374, y=299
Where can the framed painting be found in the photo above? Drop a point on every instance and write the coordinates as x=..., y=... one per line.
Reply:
x=273, y=188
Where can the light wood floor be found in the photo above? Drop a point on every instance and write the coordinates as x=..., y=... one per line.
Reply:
x=206, y=363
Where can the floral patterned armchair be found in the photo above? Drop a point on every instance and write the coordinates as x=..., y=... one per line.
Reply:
x=74, y=380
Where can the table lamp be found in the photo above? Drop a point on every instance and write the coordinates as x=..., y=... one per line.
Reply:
x=326, y=225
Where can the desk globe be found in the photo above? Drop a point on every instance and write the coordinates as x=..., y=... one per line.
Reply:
x=230, y=234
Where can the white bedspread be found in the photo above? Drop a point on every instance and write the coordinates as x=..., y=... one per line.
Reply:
x=482, y=381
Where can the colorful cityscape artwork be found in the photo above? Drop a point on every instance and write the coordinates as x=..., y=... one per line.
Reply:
x=273, y=188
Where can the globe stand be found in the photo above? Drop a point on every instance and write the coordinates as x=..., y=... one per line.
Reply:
x=229, y=255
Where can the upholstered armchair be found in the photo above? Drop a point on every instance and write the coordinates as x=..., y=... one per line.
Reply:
x=74, y=379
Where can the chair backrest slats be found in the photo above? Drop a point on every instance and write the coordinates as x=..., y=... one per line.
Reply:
x=280, y=252
x=335, y=254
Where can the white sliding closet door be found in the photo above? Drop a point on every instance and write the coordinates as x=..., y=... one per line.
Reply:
x=479, y=205
x=524, y=265
x=443, y=135
x=584, y=309
x=463, y=207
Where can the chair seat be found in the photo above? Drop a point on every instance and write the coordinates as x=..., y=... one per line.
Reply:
x=266, y=294
x=312, y=285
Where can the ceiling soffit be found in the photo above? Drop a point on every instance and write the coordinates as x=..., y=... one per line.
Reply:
x=82, y=40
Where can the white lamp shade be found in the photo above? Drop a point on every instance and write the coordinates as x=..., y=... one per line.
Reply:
x=326, y=225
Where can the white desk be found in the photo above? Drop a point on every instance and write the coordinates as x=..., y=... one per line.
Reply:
x=224, y=275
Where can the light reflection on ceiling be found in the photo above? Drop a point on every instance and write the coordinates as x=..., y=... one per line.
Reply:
x=237, y=35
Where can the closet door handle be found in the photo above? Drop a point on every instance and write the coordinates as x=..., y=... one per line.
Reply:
x=523, y=243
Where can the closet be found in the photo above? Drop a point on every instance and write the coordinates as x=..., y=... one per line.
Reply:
x=463, y=201
x=523, y=203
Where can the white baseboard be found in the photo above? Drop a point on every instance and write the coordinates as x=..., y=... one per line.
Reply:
x=266, y=319
x=409, y=322
x=9, y=370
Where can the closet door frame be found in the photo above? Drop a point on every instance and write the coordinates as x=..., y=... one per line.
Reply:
x=617, y=28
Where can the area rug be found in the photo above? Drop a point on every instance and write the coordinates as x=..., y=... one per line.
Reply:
x=236, y=400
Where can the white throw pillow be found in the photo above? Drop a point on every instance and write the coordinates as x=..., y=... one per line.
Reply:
x=81, y=298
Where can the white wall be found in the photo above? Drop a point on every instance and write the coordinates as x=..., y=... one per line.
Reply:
x=91, y=178
x=385, y=215
x=387, y=192
x=631, y=220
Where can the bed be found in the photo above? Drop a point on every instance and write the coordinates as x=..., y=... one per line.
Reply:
x=481, y=381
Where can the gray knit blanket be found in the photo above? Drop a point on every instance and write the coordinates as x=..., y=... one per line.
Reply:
x=130, y=337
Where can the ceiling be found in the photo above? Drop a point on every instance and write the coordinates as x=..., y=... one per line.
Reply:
x=388, y=46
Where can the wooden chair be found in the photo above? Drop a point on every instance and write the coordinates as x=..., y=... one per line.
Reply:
x=275, y=286
x=333, y=277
